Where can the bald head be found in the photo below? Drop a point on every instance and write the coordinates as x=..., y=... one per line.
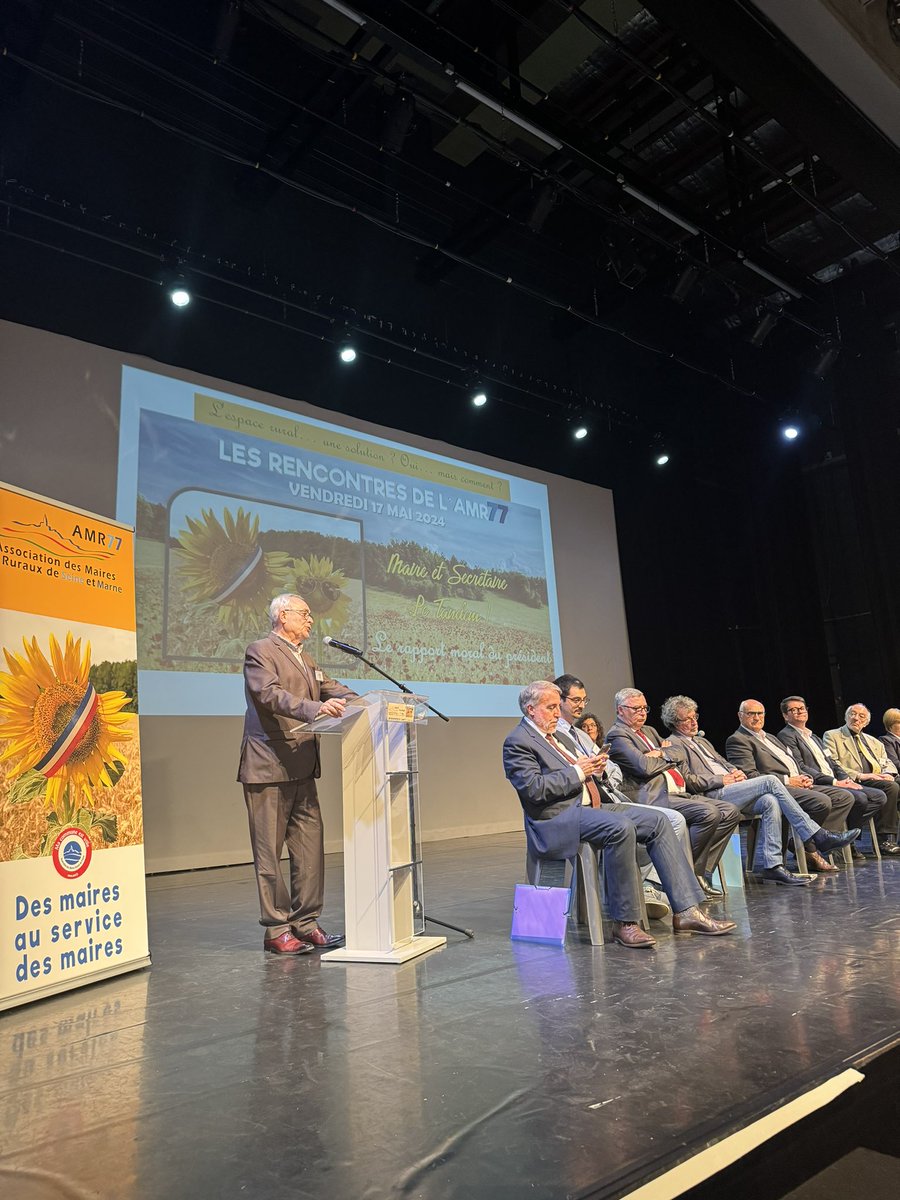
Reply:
x=752, y=715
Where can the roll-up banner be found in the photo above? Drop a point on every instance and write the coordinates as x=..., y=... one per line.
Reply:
x=72, y=897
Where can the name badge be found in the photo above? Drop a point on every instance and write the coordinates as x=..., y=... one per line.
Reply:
x=320, y=675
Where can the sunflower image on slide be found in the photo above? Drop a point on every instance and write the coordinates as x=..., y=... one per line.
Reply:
x=62, y=737
x=224, y=568
x=323, y=587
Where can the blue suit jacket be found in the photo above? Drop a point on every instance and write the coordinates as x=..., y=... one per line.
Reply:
x=549, y=790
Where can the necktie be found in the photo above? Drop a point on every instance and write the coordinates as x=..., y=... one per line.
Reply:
x=592, y=790
x=674, y=774
x=863, y=761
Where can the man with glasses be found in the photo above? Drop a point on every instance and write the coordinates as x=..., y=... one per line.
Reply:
x=564, y=805
x=279, y=766
x=708, y=773
x=756, y=753
x=812, y=753
x=865, y=760
x=651, y=767
x=573, y=698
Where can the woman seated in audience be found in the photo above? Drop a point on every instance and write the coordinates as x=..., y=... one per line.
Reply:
x=592, y=727
x=891, y=739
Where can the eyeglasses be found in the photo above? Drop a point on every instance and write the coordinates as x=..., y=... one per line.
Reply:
x=754, y=712
x=798, y=709
x=636, y=707
x=301, y=612
x=689, y=717
x=582, y=700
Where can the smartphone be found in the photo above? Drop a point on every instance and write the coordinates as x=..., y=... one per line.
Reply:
x=606, y=747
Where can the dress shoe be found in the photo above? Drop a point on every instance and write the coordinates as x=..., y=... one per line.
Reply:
x=709, y=891
x=815, y=859
x=286, y=943
x=889, y=847
x=630, y=934
x=780, y=874
x=656, y=904
x=318, y=939
x=857, y=855
x=825, y=841
x=692, y=920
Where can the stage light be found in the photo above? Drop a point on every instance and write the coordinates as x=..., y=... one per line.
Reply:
x=828, y=352
x=685, y=284
x=661, y=459
x=179, y=295
x=542, y=206
x=346, y=349
x=662, y=209
x=580, y=432
x=479, y=396
x=764, y=274
x=790, y=432
x=764, y=326
x=489, y=102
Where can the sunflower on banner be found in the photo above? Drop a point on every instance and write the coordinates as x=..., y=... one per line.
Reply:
x=225, y=570
x=323, y=587
x=61, y=736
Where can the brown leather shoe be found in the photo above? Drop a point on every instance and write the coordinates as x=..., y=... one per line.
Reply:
x=815, y=860
x=318, y=939
x=692, y=920
x=630, y=934
x=286, y=943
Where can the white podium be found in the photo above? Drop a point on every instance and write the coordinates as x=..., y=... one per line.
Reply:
x=383, y=904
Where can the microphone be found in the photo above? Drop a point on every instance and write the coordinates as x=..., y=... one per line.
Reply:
x=354, y=650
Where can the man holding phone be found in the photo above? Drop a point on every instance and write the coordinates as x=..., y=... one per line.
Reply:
x=565, y=803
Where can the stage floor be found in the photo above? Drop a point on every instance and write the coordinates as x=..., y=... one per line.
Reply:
x=486, y=1069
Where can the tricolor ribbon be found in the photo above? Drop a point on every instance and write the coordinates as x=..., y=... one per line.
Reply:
x=242, y=576
x=65, y=745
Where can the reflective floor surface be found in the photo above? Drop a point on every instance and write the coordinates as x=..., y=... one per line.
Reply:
x=486, y=1069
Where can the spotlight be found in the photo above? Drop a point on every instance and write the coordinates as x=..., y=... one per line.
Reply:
x=661, y=458
x=790, y=432
x=685, y=284
x=828, y=352
x=180, y=296
x=580, y=432
x=346, y=349
x=542, y=206
x=479, y=396
x=764, y=326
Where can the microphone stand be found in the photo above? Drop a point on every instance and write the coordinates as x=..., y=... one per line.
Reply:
x=469, y=933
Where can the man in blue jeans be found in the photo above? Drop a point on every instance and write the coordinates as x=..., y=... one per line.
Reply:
x=706, y=772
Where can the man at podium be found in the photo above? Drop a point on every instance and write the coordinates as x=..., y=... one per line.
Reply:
x=279, y=767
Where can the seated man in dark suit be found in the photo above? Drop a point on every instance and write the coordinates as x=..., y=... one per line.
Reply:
x=651, y=767
x=812, y=753
x=758, y=753
x=706, y=772
x=564, y=804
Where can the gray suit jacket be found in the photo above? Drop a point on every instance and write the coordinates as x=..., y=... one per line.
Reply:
x=754, y=758
x=842, y=746
x=798, y=745
x=697, y=775
x=644, y=779
x=281, y=693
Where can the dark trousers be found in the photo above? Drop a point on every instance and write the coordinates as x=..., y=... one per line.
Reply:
x=827, y=806
x=617, y=829
x=287, y=814
x=704, y=818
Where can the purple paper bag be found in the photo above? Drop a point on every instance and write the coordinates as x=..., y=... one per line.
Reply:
x=539, y=914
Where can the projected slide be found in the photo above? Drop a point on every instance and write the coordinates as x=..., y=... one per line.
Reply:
x=440, y=572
